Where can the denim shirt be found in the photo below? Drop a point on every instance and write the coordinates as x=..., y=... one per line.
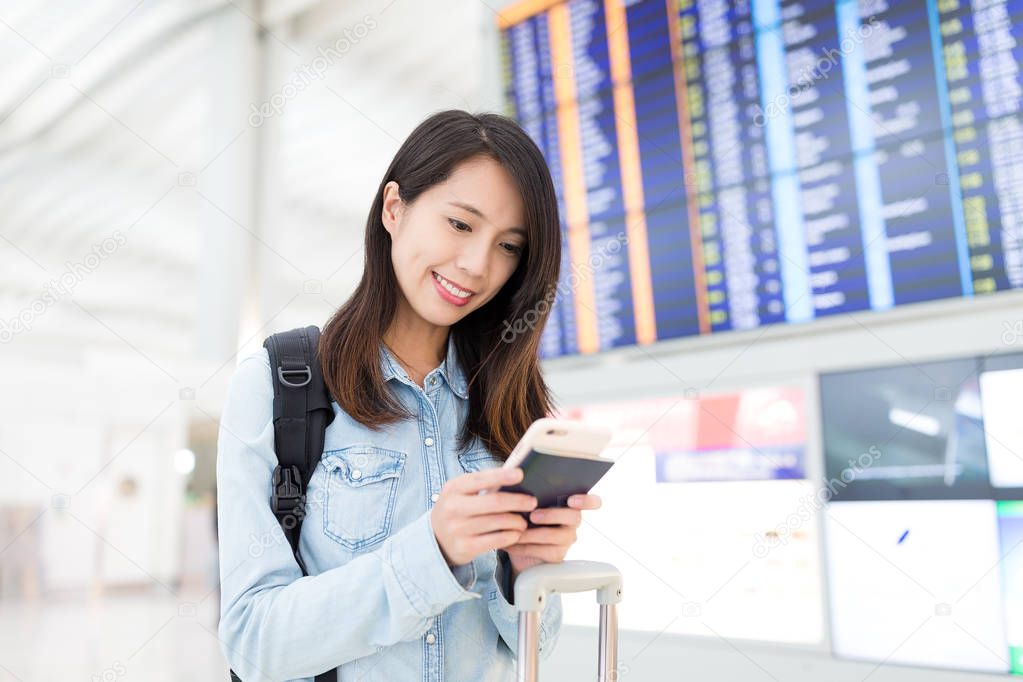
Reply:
x=380, y=601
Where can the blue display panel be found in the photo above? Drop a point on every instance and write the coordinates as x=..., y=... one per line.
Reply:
x=726, y=165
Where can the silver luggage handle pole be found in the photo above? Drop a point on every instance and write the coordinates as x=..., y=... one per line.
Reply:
x=531, y=589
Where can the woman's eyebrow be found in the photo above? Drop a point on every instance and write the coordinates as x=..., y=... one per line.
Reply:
x=475, y=211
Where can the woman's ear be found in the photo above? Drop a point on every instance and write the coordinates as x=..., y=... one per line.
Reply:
x=393, y=207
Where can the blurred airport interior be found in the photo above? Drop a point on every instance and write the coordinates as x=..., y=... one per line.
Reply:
x=791, y=281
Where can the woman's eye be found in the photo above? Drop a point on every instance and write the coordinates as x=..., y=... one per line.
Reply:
x=510, y=249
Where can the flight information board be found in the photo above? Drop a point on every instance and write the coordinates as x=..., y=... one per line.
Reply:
x=725, y=165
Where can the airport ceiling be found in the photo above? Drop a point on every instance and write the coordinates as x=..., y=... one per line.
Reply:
x=133, y=118
x=113, y=127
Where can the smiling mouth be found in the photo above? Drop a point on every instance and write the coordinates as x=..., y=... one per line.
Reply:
x=453, y=288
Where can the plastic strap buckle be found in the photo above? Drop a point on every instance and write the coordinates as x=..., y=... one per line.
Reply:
x=287, y=496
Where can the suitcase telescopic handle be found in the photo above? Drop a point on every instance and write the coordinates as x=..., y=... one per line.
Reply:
x=531, y=589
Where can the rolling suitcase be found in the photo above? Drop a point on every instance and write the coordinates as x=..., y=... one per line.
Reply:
x=531, y=589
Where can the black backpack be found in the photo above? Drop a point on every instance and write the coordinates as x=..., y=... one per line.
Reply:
x=302, y=412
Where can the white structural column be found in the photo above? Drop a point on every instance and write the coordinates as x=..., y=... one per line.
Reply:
x=225, y=188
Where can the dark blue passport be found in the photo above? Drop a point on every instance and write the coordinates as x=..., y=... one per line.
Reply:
x=552, y=479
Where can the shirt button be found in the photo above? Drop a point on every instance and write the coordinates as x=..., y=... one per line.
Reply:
x=431, y=638
x=435, y=497
x=429, y=442
x=356, y=474
x=433, y=380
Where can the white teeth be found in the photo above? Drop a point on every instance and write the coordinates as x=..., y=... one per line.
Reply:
x=451, y=287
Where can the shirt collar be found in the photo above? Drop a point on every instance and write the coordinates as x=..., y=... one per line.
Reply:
x=450, y=368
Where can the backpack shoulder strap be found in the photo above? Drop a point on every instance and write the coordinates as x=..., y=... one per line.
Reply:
x=301, y=413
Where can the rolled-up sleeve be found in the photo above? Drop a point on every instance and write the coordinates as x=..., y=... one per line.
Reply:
x=506, y=617
x=269, y=610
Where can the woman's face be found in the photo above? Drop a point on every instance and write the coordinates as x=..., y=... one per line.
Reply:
x=458, y=243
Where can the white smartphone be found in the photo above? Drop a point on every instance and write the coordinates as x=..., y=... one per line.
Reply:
x=564, y=437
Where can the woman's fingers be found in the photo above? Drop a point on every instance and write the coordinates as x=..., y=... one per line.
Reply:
x=557, y=516
x=546, y=553
x=473, y=483
x=466, y=523
x=557, y=535
x=554, y=535
x=584, y=502
x=491, y=541
x=494, y=503
x=494, y=522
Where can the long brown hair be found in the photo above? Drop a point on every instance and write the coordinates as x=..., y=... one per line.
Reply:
x=506, y=390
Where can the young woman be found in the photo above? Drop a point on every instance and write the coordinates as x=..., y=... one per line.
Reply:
x=410, y=571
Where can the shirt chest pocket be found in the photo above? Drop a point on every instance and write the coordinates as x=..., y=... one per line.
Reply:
x=361, y=488
x=478, y=460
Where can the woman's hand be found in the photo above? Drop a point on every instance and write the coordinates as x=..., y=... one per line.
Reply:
x=467, y=524
x=550, y=544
